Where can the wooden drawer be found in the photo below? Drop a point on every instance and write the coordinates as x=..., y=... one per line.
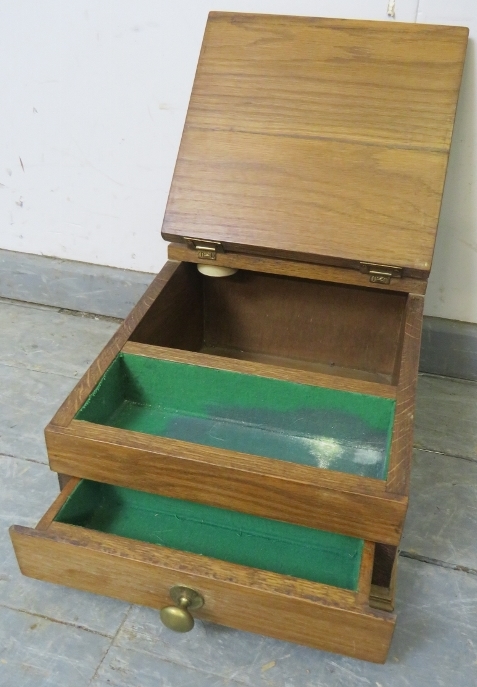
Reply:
x=360, y=344
x=98, y=538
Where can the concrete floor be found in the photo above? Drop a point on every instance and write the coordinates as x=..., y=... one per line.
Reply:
x=53, y=636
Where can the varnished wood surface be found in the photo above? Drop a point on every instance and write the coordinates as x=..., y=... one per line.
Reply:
x=365, y=573
x=312, y=198
x=176, y=317
x=52, y=511
x=399, y=472
x=382, y=599
x=300, y=376
x=381, y=382
x=296, y=74
x=77, y=397
x=224, y=457
x=63, y=480
x=322, y=139
x=299, y=323
x=253, y=600
x=304, y=270
x=300, y=494
x=339, y=326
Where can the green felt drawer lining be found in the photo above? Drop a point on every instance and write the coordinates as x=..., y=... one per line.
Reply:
x=302, y=552
x=327, y=428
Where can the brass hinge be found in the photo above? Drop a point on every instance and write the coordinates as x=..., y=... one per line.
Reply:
x=380, y=274
x=206, y=250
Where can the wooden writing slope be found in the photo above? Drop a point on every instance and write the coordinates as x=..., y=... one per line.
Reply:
x=270, y=412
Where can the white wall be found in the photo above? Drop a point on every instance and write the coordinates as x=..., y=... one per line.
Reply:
x=93, y=96
x=452, y=288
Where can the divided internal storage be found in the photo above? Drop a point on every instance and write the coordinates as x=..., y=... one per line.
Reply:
x=250, y=424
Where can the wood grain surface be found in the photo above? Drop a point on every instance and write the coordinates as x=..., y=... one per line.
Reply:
x=296, y=74
x=293, y=268
x=245, y=598
x=329, y=328
x=65, y=491
x=350, y=329
x=176, y=317
x=300, y=494
x=289, y=374
x=399, y=472
x=383, y=598
x=77, y=397
x=365, y=574
x=314, y=198
x=326, y=140
x=305, y=495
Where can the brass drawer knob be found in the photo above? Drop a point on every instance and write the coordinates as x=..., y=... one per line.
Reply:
x=178, y=618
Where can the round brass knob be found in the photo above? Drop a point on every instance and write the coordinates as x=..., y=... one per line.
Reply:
x=178, y=618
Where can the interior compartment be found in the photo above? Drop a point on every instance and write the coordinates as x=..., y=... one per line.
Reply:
x=227, y=535
x=287, y=321
x=383, y=580
x=299, y=423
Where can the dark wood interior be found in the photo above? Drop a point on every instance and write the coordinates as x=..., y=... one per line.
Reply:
x=288, y=321
x=383, y=580
x=384, y=562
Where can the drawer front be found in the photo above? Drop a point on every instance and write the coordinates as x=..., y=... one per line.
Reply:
x=251, y=484
x=245, y=598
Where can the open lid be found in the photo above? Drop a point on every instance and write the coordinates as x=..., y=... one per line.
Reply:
x=320, y=140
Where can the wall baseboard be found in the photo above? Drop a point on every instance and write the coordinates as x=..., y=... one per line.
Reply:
x=449, y=347
x=96, y=289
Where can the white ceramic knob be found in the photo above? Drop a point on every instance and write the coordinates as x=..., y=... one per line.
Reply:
x=215, y=270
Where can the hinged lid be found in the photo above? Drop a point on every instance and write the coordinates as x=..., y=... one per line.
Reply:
x=318, y=139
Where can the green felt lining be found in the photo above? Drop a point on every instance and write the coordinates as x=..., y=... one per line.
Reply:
x=302, y=552
x=327, y=428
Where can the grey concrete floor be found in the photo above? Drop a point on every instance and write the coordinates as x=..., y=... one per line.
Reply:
x=52, y=636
